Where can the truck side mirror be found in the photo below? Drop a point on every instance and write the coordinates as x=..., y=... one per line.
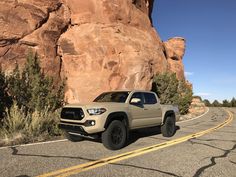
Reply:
x=136, y=101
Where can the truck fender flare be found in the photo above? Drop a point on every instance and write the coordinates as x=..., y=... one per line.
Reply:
x=168, y=113
x=121, y=116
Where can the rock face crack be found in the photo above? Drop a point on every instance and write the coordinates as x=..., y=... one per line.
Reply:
x=41, y=24
x=14, y=40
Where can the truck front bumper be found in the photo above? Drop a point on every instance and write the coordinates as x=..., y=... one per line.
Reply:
x=73, y=128
x=80, y=128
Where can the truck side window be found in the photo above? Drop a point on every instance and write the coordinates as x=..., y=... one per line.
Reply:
x=149, y=98
x=137, y=95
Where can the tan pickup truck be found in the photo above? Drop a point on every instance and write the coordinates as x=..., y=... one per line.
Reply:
x=113, y=114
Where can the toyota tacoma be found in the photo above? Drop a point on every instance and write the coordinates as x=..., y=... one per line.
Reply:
x=112, y=115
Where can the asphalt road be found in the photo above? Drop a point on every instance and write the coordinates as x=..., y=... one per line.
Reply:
x=212, y=154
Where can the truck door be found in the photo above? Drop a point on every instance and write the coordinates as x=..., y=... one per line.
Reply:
x=137, y=111
x=152, y=109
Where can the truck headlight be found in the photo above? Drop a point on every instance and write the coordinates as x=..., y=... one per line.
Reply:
x=96, y=111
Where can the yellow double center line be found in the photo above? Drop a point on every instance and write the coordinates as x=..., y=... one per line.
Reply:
x=98, y=163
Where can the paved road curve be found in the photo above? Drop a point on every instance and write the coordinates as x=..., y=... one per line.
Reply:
x=213, y=154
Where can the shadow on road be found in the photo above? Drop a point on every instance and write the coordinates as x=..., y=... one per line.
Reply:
x=15, y=152
x=134, y=135
x=145, y=132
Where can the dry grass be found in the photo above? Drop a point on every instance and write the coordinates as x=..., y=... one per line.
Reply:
x=19, y=127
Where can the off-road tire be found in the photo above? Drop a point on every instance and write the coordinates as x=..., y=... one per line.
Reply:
x=73, y=138
x=168, y=128
x=114, y=137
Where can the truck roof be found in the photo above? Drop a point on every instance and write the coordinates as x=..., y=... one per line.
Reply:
x=129, y=91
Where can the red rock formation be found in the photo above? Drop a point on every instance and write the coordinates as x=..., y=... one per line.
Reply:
x=37, y=24
x=116, y=47
x=197, y=106
x=175, y=49
x=97, y=45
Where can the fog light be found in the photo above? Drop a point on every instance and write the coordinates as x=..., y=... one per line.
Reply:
x=92, y=122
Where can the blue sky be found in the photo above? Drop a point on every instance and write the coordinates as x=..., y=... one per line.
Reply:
x=209, y=27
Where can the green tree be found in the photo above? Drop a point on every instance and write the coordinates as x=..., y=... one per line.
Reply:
x=17, y=88
x=5, y=100
x=35, y=99
x=226, y=103
x=233, y=102
x=216, y=103
x=207, y=103
x=172, y=91
x=185, y=97
x=32, y=90
x=167, y=88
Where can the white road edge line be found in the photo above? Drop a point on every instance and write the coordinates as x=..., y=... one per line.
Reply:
x=55, y=141
x=195, y=117
x=31, y=144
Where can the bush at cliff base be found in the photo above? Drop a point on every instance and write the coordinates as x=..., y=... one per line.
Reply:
x=30, y=104
x=4, y=98
x=170, y=90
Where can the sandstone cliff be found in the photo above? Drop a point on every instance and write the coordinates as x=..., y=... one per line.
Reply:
x=97, y=45
x=197, y=106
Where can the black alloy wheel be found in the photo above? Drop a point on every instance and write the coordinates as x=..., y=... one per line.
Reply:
x=114, y=137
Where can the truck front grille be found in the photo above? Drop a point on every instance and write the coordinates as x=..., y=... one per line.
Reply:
x=72, y=113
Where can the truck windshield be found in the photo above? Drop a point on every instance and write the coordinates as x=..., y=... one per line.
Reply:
x=118, y=97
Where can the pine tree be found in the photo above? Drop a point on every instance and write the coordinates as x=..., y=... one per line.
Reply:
x=216, y=103
x=207, y=103
x=2, y=93
x=18, y=90
x=167, y=88
x=32, y=90
x=225, y=103
x=5, y=100
x=233, y=102
x=185, y=97
x=172, y=91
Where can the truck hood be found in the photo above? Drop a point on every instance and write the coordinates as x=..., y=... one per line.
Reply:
x=96, y=105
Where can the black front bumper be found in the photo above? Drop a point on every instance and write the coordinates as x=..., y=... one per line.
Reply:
x=72, y=128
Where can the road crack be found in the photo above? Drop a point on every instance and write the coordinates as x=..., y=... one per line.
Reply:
x=213, y=158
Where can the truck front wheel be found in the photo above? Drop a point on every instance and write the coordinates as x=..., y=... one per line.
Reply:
x=168, y=128
x=114, y=137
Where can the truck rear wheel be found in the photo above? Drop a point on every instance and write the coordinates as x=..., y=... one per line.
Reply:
x=168, y=128
x=73, y=138
x=114, y=137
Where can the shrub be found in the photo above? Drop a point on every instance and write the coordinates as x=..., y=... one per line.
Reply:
x=172, y=91
x=166, y=87
x=185, y=97
x=19, y=126
x=5, y=100
x=15, y=120
x=34, y=111
x=33, y=90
